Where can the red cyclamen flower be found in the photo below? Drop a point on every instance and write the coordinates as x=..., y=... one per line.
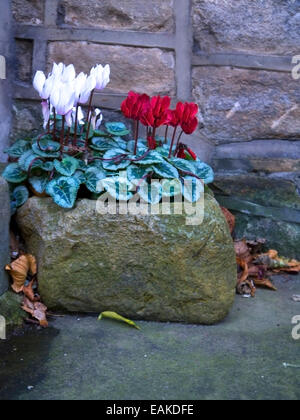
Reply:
x=135, y=105
x=158, y=113
x=189, y=121
x=176, y=115
x=151, y=143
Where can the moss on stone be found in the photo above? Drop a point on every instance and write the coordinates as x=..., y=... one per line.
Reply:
x=10, y=308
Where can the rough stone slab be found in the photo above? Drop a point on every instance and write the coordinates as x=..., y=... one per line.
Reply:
x=4, y=233
x=29, y=12
x=280, y=235
x=265, y=191
x=263, y=26
x=149, y=70
x=143, y=267
x=240, y=105
x=150, y=15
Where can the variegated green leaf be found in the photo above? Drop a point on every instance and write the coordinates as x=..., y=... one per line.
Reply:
x=18, y=148
x=204, y=171
x=30, y=159
x=14, y=174
x=46, y=148
x=39, y=183
x=118, y=187
x=152, y=158
x=165, y=170
x=150, y=193
x=171, y=188
x=63, y=191
x=183, y=165
x=117, y=129
x=67, y=166
x=192, y=189
x=20, y=195
x=92, y=177
x=136, y=173
x=112, y=164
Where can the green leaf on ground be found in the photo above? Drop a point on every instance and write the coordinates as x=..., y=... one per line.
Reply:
x=117, y=317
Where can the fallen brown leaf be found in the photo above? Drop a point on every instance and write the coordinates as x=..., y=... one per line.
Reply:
x=37, y=310
x=19, y=270
x=265, y=283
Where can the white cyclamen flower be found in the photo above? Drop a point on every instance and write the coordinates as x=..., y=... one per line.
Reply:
x=68, y=74
x=63, y=99
x=102, y=76
x=42, y=85
x=79, y=85
x=58, y=69
x=46, y=113
x=80, y=116
x=97, y=119
x=87, y=89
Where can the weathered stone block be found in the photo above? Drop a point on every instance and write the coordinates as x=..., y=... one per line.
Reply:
x=239, y=104
x=4, y=233
x=149, y=70
x=145, y=267
x=27, y=120
x=263, y=26
x=150, y=16
x=24, y=52
x=29, y=12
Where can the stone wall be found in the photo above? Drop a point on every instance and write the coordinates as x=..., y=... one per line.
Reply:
x=234, y=58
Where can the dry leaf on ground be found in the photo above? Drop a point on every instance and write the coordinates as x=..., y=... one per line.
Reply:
x=37, y=310
x=19, y=270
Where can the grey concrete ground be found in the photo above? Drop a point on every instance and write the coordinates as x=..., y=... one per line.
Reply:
x=241, y=358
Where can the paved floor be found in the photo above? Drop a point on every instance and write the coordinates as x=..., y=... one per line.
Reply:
x=241, y=358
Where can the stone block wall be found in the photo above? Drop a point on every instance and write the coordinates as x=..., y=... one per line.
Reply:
x=234, y=58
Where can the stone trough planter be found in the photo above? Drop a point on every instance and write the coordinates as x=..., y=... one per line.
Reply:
x=143, y=267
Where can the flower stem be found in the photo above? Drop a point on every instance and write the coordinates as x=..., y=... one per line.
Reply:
x=172, y=143
x=137, y=124
x=178, y=142
x=166, y=134
x=62, y=136
x=89, y=119
x=76, y=125
x=54, y=125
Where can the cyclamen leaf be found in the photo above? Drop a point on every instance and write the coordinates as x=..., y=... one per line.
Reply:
x=150, y=193
x=67, y=166
x=115, y=165
x=92, y=177
x=171, y=188
x=20, y=195
x=183, y=165
x=18, y=148
x=141, y=146
x=63, y=191
x=118, y=187
x=103, y=144
x=204, y=171
x=26, y=160
x=192, y=189
x=117, y=317
x=136, y=173
x=48, y=148
x=80, y=176
x=39, y=183
x=47, y=166
x=14, y=174
x=117, y=129
x=166, y=170
x=151, y=158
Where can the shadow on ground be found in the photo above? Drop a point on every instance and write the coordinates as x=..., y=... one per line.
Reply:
x=241, y=358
